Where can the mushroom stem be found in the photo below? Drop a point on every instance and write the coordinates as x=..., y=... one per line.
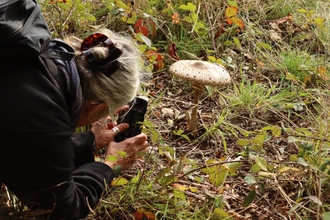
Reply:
x=193, y=119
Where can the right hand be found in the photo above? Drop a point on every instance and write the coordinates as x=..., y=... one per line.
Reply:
x=131, y=146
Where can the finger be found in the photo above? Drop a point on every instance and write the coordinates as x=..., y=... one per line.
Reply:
x=115, y=131
x=136, y=148
x=122, y=126
x=119, y=128
x=111, y=124
x=124, y=108
x=139, y=139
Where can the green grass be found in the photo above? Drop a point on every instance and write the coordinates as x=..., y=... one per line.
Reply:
x=274, y=116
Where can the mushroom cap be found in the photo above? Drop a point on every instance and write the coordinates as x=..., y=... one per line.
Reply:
x=202, y=72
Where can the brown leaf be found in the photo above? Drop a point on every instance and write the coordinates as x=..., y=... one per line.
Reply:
x=219, y=32
x=156, y=59
x=175, y=18
x=172, y=51
x=284, y=19
x=138, y=215
x=139, y=27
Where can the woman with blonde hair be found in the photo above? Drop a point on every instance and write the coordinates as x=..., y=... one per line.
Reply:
x=42, y=161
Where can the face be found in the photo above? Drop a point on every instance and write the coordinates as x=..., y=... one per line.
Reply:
x=91, y=112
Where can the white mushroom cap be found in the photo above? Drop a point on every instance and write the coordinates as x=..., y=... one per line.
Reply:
x=202, y=72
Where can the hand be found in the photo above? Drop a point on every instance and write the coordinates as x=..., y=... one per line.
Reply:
x=131, y=146
x=104, y=134
x=102, y=130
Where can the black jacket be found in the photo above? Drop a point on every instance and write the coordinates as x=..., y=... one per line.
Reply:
x=40, y=161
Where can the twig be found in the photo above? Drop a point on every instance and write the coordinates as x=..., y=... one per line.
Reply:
x=319, y=193
x=211, y=32
x=71, y=10
x=199, y=6
x=195, y=195
x=194, y=184
x=289, y=200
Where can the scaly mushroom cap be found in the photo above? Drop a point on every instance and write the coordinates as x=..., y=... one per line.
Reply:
x=202, y=72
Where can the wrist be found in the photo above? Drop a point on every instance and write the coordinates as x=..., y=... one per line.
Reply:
x=116, y=169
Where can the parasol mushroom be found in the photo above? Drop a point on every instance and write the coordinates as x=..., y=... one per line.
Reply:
x=200, y=73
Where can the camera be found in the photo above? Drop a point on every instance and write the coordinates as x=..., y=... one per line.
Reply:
x=134, y=116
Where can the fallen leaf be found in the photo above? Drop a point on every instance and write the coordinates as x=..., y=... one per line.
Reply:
x=284, y=19
x=238, y=21
x=149, y=215
x=315, y=199
x=267, y=174
x=275, y=35
x=231, y=11
x=249, y=198
x=172, y=51
x=220, y=30
x=156, y=59
x=193, y=189
x=138, y=215
x=180, y=187
x=139, y=27
x=175, y=18
x=119, y=182
x=168, y=112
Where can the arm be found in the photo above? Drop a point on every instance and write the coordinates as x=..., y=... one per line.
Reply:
x=83, y=147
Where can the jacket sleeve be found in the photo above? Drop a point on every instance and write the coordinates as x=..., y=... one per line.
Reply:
x=83, y=148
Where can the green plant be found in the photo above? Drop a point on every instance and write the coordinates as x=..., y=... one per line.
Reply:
x=264, y=144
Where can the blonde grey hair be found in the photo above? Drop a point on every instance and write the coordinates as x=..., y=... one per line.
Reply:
x=118, y=88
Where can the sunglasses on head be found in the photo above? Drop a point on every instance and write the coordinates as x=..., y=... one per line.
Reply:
x=109, y=65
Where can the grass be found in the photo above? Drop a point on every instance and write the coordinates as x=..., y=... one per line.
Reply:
x=262, y=149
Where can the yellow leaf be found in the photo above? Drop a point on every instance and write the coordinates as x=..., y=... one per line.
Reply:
x=231, y=11
x=267, y=174
x=130, y=17
x=238, y=21
x=224, y=158
x=322, y=71
x=180, y=187
x=319, y=22
x=295, y=169
x=193, y=189
x=283, y=169
x=261, y=163
x=308, y=78
x=211, y=161
x=302, y=10
x=121, y=4
x=119, y=182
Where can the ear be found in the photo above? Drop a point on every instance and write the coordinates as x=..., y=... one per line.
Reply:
x=88, y=112
x=99, y=107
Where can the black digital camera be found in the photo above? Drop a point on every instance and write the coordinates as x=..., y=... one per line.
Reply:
x=134, y=116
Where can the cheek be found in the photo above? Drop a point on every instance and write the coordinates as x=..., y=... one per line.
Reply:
x=98, y=113
x=82, y=120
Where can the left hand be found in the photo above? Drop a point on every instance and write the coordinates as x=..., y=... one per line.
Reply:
x=131, y=146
